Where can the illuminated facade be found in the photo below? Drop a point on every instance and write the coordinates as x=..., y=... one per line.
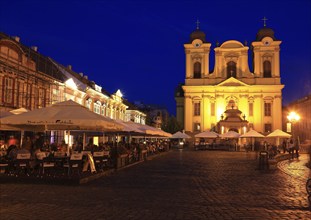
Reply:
x=231, y=97
x=301, y=128
x=31, y=80
x=27, y=79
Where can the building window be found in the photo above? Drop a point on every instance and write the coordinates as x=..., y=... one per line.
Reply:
x=212, y=109
x=197, y=109
x=55, y=96
x=97, y=107
x=197, y=127
x=267, y=109
x=197, y=70
x=88, y=103
x=42, y=97
x=267, y=69
x=268, y=128
x=8, y=90
x=231, y=69
x=251, y=109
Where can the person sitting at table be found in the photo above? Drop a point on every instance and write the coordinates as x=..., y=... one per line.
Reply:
x=27, y=144
x=63, y=147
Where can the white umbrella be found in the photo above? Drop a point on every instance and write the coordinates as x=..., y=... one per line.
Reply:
x=252, y=133
x=19, y=111
x=67, y=115
x=279, y=133
x=180, y=135
x=230, y=134
x=207, y=134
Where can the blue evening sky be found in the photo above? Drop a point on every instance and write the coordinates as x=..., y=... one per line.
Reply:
x=137, y=46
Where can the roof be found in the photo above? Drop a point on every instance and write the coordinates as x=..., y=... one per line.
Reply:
x=43, y=63
x=197, y=34
x=265, y=32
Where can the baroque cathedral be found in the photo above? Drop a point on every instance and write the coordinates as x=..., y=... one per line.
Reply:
x=231, y=97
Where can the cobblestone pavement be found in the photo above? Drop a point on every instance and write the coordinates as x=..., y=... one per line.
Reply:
x=177, y=185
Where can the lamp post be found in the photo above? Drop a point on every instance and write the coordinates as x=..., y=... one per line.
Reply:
x=293, y=117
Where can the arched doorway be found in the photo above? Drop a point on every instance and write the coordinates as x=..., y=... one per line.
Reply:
x=234, y=129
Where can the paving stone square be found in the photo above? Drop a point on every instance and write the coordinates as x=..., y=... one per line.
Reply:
x=180, y=184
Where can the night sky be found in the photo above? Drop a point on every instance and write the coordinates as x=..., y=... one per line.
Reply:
x=137, y=46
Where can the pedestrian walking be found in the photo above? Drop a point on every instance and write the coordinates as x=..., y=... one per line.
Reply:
x=291, y=149
x=297, y=148
x=284, y=146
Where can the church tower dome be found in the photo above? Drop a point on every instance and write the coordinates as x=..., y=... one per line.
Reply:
x=197, y=34
x=265, y=32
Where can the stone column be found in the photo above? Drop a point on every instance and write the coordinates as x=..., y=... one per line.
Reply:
x=188, y=113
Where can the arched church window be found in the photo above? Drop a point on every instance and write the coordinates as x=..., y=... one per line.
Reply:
x=231, y=69
x=267, y=69
x=197, y=70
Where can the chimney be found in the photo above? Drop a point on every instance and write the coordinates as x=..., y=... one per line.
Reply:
x=16, y=38
x=69, y=67
x=81, y=74
x=35, y=48
x=85, y=77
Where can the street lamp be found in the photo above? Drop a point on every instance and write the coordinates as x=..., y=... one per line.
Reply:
x=293, y=117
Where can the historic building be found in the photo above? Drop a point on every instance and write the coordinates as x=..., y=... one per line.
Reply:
x=302, y=127
x=27, y=79
x=31, y=80
x=231, y=97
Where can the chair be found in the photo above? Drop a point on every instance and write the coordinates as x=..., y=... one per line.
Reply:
x=4, y=167
x=98, y=157
x=75, y=164
x=22, y=162
x=106, y=159
x=44, y=162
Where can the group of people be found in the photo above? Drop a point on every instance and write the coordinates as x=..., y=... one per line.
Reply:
x=292, y=147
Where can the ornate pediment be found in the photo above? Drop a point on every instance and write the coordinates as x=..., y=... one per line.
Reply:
x=232, y=82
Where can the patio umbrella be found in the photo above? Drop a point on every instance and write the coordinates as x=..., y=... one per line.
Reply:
x=67, y=115
x=279, y=133
x=180, y=135
x=252, y=134
x=207, y=134
x=230, y=134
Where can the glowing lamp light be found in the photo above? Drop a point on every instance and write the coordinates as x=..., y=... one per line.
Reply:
x=118, y=93
x=70, y=83
x=293, y=117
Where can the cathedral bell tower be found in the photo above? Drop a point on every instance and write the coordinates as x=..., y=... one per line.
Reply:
x=266, y=51
x=197, y=55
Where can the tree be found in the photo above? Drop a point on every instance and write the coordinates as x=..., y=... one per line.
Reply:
x=172, y=125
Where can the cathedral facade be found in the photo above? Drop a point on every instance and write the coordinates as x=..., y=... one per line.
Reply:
x=231, y=97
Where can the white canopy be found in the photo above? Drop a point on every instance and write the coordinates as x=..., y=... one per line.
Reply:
x=252, y=133
x=149, y=130
x=207, y=134
x=279, y=133
x=230, y=134
x=67, y=115
x=129, y=128
x=180, y=135
x=19, y=111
